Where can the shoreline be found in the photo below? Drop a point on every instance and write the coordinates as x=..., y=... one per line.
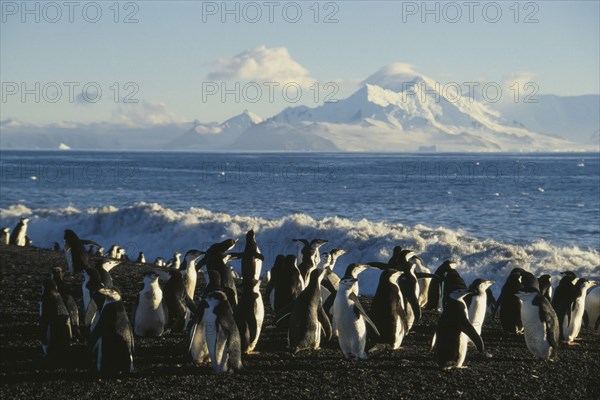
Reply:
x=163, y=368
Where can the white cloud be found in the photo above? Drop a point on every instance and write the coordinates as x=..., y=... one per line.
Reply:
x=262, y=64
x=144, y=113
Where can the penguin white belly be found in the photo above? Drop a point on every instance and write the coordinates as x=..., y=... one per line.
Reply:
x=352, y=335
x=410, y=316
x=259, y=313
x=477, y=311
x=69, y=258
x=592, y=306
x=324, y=294
x=198, y=346
x=398, y=334
x=216, y=347
x=190, y=277
x=21, y=238
x=258, y=269
x=535, y=332
x=463, y=345
x=424, y=290
x=150, y=317
x=576, y=319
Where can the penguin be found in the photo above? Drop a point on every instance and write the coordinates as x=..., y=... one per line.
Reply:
x=104, y=266
x=55, y=324
x=112, y=339
x=121, y=254
x=175, y=298
x=545, y=284
x=56, y=247
x=308, y=318
x=198, y=349
x=309, y=252
x=592, y=308
x=424, y=283
x=222, y=335
x=18, y=237
x=6, y=235
x=331, y=281
x=100, y=252
x=451, y=281
x=113, y=252
x=509, y=306
x=141, y=259
x=436, y=287
x=216, y=259
x=57, y=275
x=175, y=262
x=563, y=296
x=150, y=314
x=252, y=259
x=77, y=256
x=352, y=270
x=284, y=287
x=409, y=286
x=448, y=343
x=159, y=262
x=570, y=310
x=89, y=288
x=250, y=314
x=188, y=271
x=477, y=302
x=387, y=310
x=350, y=320
x=540, y=325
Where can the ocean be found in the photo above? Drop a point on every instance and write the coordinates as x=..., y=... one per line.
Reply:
x=489, y=212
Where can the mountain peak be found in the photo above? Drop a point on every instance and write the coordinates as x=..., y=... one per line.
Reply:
x=396, y=77
x=246, y=117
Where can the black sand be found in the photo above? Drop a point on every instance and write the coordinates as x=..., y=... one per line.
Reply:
x=164, y=371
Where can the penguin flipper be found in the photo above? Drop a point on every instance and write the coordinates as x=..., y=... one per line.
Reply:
x=325, y=323
x=329, y=302
x=259, y=256
x=551, y=321
x=90, y=312
x=468, y=329
x=88, y=242
x=378, y=264
x=585, y=319
x=425, y=275
x=360, y=311
x=191, y=305
x=414, y=302
x=597, y=325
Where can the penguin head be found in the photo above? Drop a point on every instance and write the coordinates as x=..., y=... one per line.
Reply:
x=250, y=237
x=6, y=230
x=290, y=261
x=407, y=254
x=110, y=295
x=108, y=264
x=192, y=255
x=222, y=247
x=70, y=236
x=57, y=273
x=316, y=243
x=585, y=284
x=215, y=298
x=481, y=285
x=348, y=281
x=545, y=279
x=48, y=286
x=393, y=275
x=355, y=269
x=24, y=220
x=335, y=253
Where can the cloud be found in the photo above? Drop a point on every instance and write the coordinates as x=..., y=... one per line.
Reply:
x=143, y=114
x=262, y=64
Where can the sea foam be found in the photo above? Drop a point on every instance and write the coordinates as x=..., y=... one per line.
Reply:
x=160, y=231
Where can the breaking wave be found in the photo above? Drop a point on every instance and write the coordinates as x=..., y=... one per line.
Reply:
x=160, y=231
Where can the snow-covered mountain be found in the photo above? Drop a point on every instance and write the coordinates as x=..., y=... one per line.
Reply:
x=213, y=136
x=397, y=109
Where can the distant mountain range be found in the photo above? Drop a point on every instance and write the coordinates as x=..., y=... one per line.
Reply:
x=382, y=115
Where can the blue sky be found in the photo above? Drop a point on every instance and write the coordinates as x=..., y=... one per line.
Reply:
x=176, y=49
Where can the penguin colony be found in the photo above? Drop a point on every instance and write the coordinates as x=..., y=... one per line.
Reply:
x=308, y=299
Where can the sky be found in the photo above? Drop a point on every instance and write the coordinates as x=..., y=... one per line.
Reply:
x=159, y=62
